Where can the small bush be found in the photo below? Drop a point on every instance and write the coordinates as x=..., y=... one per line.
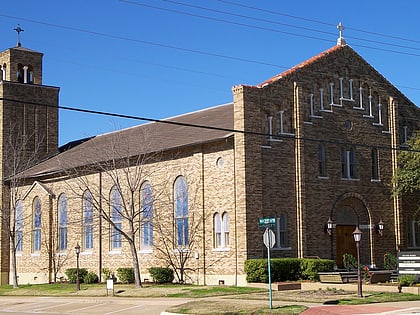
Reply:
x=125, y=275
x=390, y=261
x=311, y=267
x=406, y=280
x=161, y=274
x=71, y=274
x=349, y=262
x=90, y=277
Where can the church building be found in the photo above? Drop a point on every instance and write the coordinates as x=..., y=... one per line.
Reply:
x=313, y=145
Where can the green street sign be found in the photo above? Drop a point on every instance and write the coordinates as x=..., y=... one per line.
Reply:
x=266, y=222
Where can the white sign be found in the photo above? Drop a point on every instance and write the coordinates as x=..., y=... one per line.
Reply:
x=110, y=284
x=269, y=238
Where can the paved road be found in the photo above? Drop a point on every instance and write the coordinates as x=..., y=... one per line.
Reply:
x=84, y=305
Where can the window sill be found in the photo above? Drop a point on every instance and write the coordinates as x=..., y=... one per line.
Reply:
x=281, y=248
x=35, y=254
x=115, y=252
x=146, y=251
x=350, y=179
x=375, y=180
x=323, y=177
x=221, y=249
x=87, y=253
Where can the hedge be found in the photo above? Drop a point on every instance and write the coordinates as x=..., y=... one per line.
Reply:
x=286, y=269
x=71, y=274
x=161, y=274
x=125, y=275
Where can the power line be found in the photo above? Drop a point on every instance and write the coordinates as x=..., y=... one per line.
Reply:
x=188, y=50
x=145, y=42
x=317, y=21
x=171, y=122
x=267, y=21
x=270, y=29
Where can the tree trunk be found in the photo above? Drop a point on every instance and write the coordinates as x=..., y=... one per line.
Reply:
x=14, y=266
x=136, y=267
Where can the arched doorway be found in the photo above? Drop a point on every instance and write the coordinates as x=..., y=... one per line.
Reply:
x=346, y=222
x=351, y=210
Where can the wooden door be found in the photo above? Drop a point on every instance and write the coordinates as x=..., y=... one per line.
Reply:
x=344, y=243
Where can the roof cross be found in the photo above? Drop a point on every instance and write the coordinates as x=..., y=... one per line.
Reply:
x=19, y=30
x=340, y=41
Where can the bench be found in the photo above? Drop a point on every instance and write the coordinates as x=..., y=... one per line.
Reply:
x=337, y=277
x=379, y=276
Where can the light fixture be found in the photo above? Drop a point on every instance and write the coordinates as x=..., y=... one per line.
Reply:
x=77, y=249
x=380, y=227
x=329, y=226
x=357, y=235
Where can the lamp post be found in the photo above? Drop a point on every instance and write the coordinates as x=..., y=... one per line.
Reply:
x=77, y=249
x=357, y=235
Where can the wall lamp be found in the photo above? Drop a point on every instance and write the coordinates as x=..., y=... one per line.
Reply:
x=328, y=227
x=379, y=228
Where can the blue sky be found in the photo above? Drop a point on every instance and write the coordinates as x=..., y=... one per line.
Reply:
x=158, y=59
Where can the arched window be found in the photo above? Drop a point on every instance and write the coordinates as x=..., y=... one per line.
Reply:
x=217, y=223
x=321, y=161
x=19, y=226
x=221, y=230
x=116, y=218
x=87, y=220
x=225, y=229
x=181, y=211
x=62, y=222
x=19, y=73
x=36, y=225
x=146, y=235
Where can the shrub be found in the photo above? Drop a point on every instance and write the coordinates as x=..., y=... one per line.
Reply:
x=310, y=268
x=390, y=261
x=71, y=274
x=90, y=277
x=349, y=262
x=161, y=274
x=406, y=280
x=286, y=269
x=125, y=275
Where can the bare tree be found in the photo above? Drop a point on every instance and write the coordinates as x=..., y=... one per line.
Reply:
x=180, y=242
x=123, y=167
x=20, y=151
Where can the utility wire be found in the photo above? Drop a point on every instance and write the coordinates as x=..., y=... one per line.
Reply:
x=317, y=21
x=177, y=123
x=263, y=20
x=166, y=46
x=270, y=29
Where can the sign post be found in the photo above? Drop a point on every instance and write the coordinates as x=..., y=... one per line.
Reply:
x=269, y=239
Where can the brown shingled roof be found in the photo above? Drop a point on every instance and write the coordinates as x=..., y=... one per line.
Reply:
x=145, y=138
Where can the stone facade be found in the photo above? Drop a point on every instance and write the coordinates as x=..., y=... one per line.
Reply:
x=28, y=128
x=315, y=142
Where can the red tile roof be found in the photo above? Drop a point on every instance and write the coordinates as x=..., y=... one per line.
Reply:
x=299, y=66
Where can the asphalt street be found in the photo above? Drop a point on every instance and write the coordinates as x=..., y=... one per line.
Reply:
x=84, y=305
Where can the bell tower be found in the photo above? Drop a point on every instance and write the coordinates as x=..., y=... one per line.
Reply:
x=28, y=129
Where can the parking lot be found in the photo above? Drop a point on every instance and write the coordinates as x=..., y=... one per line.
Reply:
x=85, y=305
